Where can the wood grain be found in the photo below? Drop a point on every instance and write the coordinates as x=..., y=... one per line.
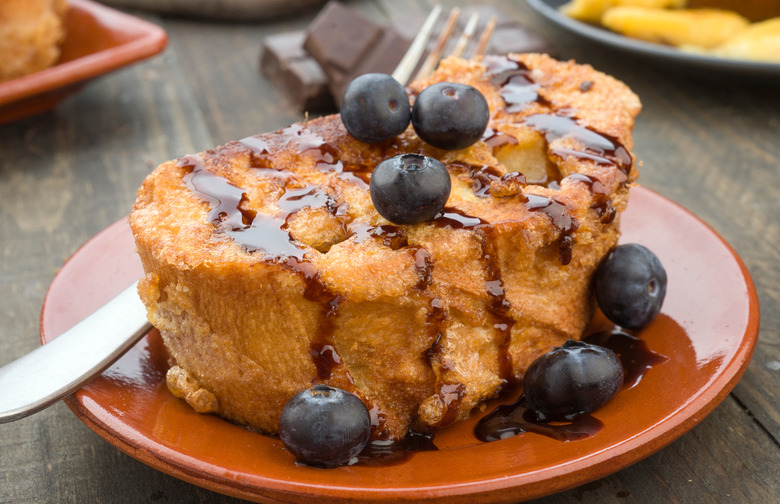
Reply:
x=712, y=147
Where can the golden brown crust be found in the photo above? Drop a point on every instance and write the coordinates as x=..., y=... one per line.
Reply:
x=31, y=32
x=423, y=322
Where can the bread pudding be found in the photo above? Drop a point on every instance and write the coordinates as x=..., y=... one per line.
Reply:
x=31, y=32
x=268, y=269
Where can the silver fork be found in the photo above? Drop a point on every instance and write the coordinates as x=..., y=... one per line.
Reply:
x=414, y=55
x=58, y=368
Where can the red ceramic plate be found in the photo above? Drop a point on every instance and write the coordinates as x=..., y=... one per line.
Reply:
x=707, y=329
x=98, y=40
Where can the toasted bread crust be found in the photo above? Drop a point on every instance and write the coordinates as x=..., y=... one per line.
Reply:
x=268, y=268
x=31, y=33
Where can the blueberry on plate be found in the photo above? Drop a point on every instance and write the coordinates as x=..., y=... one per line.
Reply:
x=410, y=188
x=630, y=286
x=450, y=115
x=573, y=379
x=375, y=107
x=325, y=426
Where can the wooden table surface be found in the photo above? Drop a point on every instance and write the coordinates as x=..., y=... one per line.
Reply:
x=714, y=148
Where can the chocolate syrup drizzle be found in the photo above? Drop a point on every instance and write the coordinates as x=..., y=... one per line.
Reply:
x=268, y=236
x=599, y=147
x=391, y=236
x=322, y=349
x=497, y=307
x=385, y=452
x=519, y=91
x=326, y=155
x=513, y=78
x=229, y=214
x=481, y=176
x=601, y=203
x=496, y=139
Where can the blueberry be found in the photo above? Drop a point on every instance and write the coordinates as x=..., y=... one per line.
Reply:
x=450, y=116
x=630, y=286
x=409, y=188
x=572, y=379
x=375, y=107
x=325, y=426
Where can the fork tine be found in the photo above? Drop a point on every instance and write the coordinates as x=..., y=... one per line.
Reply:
x=435, y=55
x=404, y=70
x=484, y=40
x=466, y=36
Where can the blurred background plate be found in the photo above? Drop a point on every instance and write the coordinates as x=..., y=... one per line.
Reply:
x=99, y=39
x=693, y=64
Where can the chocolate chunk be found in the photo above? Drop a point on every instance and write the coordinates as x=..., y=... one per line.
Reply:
x=386, y=54
x=347, y=44
x=339, y=38
x=284, y=61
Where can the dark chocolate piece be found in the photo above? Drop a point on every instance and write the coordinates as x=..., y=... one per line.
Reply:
x=347, y=44
x=284, y=61
x=339, y=37
x=385, y=56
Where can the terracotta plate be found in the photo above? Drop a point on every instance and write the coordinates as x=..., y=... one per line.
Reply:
x=707, y=329
x=98, y=40
x=757, y=72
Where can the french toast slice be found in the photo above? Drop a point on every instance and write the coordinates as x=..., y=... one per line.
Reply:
x=268, y=268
